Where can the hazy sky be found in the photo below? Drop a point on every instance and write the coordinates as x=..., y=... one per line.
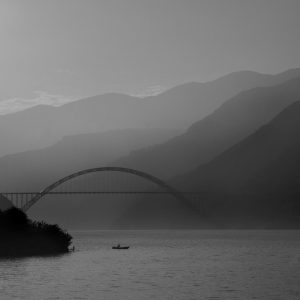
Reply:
x=56, y=50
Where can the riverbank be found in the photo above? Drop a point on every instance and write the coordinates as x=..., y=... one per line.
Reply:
x=20, y=236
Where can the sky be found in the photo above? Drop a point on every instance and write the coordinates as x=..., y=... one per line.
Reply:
x=55, y=51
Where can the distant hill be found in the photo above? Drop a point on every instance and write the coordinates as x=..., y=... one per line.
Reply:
x=232, y=122
x=178, y=108
x=34, y=170
x=257, y=181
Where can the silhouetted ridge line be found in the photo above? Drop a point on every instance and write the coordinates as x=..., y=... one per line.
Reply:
x=256, y=182
x=177, y=108
x=234, y=120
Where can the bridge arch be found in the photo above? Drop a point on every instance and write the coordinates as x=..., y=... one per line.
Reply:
x=144, y=175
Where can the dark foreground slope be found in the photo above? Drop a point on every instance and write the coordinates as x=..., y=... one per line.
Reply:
x=257, y=181
x=20, y=236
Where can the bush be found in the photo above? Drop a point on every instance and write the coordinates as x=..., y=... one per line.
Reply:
x=19, y=236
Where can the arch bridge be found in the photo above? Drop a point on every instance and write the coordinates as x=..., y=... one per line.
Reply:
x=25, y=200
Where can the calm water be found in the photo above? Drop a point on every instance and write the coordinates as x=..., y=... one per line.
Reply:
x=162, y=265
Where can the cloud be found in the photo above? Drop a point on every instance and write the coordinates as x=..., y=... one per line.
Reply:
x=13, y=105
x=151, y=91
x=41, y=98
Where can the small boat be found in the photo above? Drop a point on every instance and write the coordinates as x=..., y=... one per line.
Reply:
x=119, y=247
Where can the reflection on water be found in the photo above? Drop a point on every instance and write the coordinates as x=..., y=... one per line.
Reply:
x=162, y=265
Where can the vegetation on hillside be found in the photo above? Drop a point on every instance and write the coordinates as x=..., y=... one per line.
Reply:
x=19, y=236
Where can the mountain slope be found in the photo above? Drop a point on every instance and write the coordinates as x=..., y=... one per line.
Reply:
x=33, y=170
x=177, y=108
x=256, y=179
x=233, y=121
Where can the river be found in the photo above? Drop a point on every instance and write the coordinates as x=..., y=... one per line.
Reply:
x=197, y=264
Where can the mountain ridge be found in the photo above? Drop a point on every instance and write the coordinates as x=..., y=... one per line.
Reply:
x=235, y=119
x=178, y=108
x=256, y=178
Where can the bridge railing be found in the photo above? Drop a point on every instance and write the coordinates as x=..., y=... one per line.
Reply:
x=20, y=199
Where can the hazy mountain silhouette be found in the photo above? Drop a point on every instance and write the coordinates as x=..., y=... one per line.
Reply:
x=178, y=108
x=256, y=181
x=253, y=184
x=34, y=170
x=233, y=121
